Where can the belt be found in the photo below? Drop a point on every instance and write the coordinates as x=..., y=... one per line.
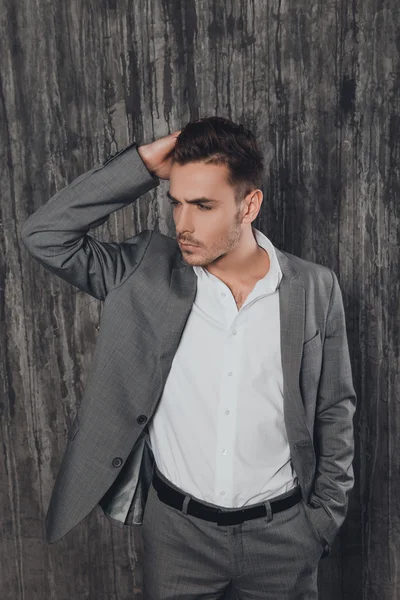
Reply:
x=173, y=498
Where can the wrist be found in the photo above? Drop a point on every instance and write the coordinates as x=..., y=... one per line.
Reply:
x=145, y=158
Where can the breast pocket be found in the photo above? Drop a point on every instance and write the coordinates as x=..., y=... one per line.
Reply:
x=310, y=371
x=312, y=344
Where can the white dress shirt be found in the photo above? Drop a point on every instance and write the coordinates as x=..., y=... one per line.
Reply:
x=218, y=432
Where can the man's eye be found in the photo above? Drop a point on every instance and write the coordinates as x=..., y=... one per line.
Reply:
x=202, y=206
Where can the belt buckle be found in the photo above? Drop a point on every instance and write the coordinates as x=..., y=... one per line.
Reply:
x=229, y=519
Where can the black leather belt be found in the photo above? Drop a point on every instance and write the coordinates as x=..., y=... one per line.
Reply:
x=195, y=508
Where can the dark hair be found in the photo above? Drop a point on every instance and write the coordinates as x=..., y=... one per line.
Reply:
x=217, y=140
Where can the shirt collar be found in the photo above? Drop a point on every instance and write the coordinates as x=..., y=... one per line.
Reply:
x=273, y=278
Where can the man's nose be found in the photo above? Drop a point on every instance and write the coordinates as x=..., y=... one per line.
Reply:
x=183, y=223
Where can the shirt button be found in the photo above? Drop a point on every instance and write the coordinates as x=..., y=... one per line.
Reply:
x=224, y=451
x=223, y=294
x=227, y=412
x=230, y=373
x=222, y=493
x=234, y=332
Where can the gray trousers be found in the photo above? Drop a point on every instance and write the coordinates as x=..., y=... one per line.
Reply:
x=273, y=557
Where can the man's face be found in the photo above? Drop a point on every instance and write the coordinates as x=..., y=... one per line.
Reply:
x=214, y=227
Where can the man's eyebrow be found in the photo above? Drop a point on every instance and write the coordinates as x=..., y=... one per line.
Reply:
x=202, y=200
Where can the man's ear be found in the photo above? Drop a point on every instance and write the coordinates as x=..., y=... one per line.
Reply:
x=254, y=204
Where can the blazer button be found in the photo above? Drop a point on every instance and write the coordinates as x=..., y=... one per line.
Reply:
x=141, y=419
x=117, y=462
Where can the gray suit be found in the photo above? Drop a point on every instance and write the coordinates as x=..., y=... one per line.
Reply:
x=148, y=291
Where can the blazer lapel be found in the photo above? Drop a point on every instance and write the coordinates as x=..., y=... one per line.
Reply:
x=183, y=287
x=292, y=320
x=292, y=316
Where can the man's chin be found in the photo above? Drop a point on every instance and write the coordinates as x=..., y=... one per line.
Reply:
x=193, y=261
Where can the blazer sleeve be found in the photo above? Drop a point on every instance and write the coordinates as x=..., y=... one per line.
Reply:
x=56, y=235
x=333, y=428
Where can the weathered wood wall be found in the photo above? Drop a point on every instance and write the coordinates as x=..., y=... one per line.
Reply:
x=320, y=81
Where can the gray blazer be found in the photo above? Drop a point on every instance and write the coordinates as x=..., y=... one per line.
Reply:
x=148, y=291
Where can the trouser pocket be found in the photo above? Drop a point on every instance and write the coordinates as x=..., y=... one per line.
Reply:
x=314, y=532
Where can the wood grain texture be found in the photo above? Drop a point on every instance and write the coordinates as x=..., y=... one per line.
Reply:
x=320, y=81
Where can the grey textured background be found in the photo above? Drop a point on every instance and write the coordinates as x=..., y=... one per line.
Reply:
x=79, y=80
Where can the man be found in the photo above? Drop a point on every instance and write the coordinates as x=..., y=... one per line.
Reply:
x=218, y=412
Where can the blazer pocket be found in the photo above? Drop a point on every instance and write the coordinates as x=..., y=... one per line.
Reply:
x=73, y=430
x=312, y=344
